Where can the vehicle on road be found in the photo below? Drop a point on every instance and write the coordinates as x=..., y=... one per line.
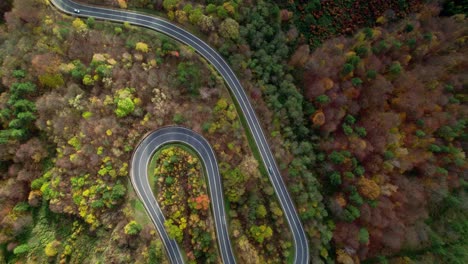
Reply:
x=270, y=170
x=76, y=11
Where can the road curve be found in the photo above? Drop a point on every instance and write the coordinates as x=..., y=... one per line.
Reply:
x=301, y=254
x=139, y=176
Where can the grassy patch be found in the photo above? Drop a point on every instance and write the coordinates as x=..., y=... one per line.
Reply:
x=139, y=212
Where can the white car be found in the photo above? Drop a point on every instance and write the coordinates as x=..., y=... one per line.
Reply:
x=77, y=11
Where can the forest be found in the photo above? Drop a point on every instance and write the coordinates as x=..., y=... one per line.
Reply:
x=363, y=104
x=182, y=192
x=389, y=109
x=70, y=118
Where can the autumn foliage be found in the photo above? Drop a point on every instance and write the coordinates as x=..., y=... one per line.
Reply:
x=202, y=202
x=388, y=105
x=319, y=20
x=182, y=192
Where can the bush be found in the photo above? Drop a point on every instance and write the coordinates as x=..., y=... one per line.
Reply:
x=347, y=69
x=395, y=68
x=361, y=131
x=21, y=207
x=322, y=99
x=125, y=107
x=132, y=228
x=335, y=178
x=351, y=213
x=19, y=74
x=371, y=74
x=21, y=249
x=336, y=157
x=143, y=47
x=51, y=80
x=363, y=236
x=188, y=76
x=348, y=130
x=178, y=118
x=51, y=248
x=350, y=119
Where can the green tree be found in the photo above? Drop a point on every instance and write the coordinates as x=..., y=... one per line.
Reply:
x=90, y=21
x=178, y=118
x=125, y=107
x=132, y=228
x=21, y=249
x=222, y=12
x=88, y=80
x=261, y=211
x=188, y=76
x=260, y=233
x=322, y=99
x=18, y=89
x=335, y=178
x=336, y=157
x=19, y=74
x=173, y=230
x=118, y=191
x=210, y=9
x=363, y=236
x=229, y=29
x=234, y=180
x=170, y=4
x=351, y=213
x=195, y=16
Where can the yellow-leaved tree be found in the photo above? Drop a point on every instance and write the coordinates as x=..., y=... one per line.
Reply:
x=79, y=25
x=51, y=248
x=141, y=46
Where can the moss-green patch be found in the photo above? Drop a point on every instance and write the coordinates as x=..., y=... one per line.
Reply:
x=139, y=212
x=48, y=226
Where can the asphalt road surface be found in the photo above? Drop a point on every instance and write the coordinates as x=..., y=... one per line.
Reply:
x=301, y=253
x=139, y=176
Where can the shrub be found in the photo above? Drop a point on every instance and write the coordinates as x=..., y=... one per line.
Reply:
x=395, y=68
x=19, y=74
x=210, y=9
x=359, y=171
x=356, y=81
x=21, y=249
x=348, y=130
x=322, y=99
x=143, y=47
x=335, y=178
x=434, y=148
x=21, y=207
x=125, y=107
x=347, y=69
x=336, y=157
x=371, y=74
x=188, y=76
x=420, y=133
x=132, y=228
x=351, y=213
x=51, y=80
x=361, y=131
x=363, y=236
x=350, y=119
x=51, y=248
x=178, y=118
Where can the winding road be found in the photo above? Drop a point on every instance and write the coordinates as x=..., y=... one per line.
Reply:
x=139, y=175
x=301, y=254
